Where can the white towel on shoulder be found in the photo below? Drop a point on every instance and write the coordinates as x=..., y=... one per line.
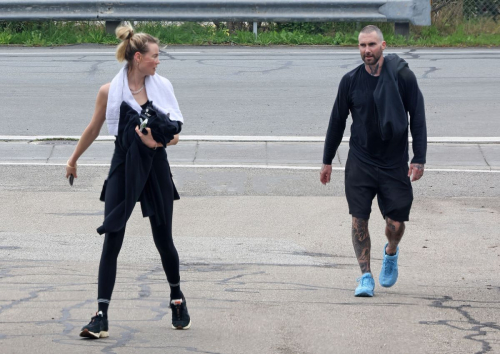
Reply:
x=158, y=88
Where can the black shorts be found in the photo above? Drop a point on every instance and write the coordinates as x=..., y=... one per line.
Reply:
x=391, y=185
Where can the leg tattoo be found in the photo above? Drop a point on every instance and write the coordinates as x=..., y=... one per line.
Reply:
x=394, y=231
x=361, y=242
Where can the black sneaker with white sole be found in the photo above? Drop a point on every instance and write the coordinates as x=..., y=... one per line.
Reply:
x=180, y=314
x=97, y=327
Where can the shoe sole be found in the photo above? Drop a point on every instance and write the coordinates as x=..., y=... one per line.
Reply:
x=180, y=327
x=387, y=285
x=87, y=334
x=363, y=295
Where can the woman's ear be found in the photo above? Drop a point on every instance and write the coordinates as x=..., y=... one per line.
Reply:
x=137, y=57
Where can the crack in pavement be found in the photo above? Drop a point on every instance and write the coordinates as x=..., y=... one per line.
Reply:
x=477, y=326
x=287, y=65
x=161, y=310
x=65, y=321
x=191, y=265
x=412, y=54
x=66, y=315
x=239, y=276
x=32, y=295
x=482, y=154
x=431, y=70
x=350, y=65
x=145, y=290
x=125, y=337
x=166, y=54
x=93, y=69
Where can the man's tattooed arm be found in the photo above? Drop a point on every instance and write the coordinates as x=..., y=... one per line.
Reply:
x=361, y=242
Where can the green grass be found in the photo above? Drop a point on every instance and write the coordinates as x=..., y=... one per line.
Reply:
x=53, y=33
x=50, y=33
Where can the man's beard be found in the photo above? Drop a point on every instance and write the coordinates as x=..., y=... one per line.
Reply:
x=373, y=59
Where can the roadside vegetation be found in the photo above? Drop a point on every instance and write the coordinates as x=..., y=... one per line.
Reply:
x=466, y=32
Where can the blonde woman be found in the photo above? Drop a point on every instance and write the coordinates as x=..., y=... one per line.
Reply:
x=139, y=167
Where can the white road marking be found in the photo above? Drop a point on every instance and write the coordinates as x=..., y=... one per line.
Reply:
x=56, y=53
x=256, y=167
x=239, y=138
x=260, y=52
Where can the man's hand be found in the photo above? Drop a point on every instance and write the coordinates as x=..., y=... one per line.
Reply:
x=325, y=174
x=417, y=170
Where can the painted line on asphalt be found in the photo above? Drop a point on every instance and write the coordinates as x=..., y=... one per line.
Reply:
x=321, y=139
x=163, y=51
x=55, y=53
x=236, y=138
x=260, y=52
x=256, y=167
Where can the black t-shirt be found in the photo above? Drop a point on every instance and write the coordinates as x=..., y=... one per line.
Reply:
x=355, y=95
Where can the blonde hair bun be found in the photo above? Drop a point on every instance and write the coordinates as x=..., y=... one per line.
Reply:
x=131, y=43
x=124, y=32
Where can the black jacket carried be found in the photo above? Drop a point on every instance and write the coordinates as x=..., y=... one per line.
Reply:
x=391, y=112
x=140, y=183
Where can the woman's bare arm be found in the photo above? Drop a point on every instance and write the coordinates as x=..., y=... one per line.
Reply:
x=92, y=131
x=174, y=141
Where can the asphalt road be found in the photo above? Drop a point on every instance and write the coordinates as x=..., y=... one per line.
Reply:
x=267, y=264
x=243, y=90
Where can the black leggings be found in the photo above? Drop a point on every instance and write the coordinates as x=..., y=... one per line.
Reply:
x=113, y=241
x=111, y=249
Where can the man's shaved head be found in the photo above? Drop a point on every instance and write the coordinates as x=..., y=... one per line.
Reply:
x=372, y=28
x=371, y=47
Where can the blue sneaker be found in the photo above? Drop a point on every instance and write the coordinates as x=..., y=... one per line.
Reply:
x=366, y=286
x=389, y=272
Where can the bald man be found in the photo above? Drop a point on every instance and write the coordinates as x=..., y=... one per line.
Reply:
x=379, y=94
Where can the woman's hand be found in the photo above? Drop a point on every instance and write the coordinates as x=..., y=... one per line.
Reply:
x=70, y=170
x=148, y=139
x=174, y=141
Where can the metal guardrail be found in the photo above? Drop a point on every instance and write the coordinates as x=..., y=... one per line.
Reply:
x=414, y=11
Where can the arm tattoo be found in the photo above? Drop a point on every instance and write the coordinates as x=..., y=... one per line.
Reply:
x=361, y=242
x=419, y=166
x=373, y=69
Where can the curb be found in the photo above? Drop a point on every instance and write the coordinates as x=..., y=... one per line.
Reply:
x=280, y=139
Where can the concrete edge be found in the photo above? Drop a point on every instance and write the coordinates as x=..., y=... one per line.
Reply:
x=228, y=138
x=472, y=169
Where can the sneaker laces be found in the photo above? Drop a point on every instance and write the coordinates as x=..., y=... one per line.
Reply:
x=362, y=280
x=389, y=265
x=178, y=308
x=94, y=318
